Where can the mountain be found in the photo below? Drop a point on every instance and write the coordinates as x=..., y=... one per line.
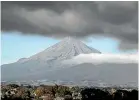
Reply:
x=48, y=59
x=48, y=67
x=63, y=50
x=116, y=74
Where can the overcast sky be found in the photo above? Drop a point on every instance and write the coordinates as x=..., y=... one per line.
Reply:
x=116, y=22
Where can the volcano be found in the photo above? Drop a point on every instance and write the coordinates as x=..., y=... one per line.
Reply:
x=49, y=59
x=66, y=49
x=48, y=66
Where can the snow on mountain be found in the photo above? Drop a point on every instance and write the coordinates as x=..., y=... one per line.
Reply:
x=46, y=60
x=81, y=69
x=65, y=49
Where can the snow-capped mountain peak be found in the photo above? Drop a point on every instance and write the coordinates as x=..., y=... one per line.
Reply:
x=48, y=65
x=65, y=49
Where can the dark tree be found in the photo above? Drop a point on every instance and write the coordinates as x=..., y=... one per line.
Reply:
x=94, y=94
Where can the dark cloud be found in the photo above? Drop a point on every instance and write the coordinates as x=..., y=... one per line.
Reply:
x=117, y=19
x=117, y=12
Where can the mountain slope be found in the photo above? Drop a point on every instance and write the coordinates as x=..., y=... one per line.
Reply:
x=48, y=59
x=65, y=49
x=88, y=74
x=48, y=65
x=106, y=72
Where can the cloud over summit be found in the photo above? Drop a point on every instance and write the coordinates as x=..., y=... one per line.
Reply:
x=117, y=19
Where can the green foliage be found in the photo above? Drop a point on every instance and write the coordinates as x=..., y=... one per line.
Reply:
x=68, y=97
x=13, y=85
x=24, y=93
x=61, y=90
x=75, y=89
x=40, y=91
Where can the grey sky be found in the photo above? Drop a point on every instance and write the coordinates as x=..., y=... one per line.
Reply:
x=117, y=19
